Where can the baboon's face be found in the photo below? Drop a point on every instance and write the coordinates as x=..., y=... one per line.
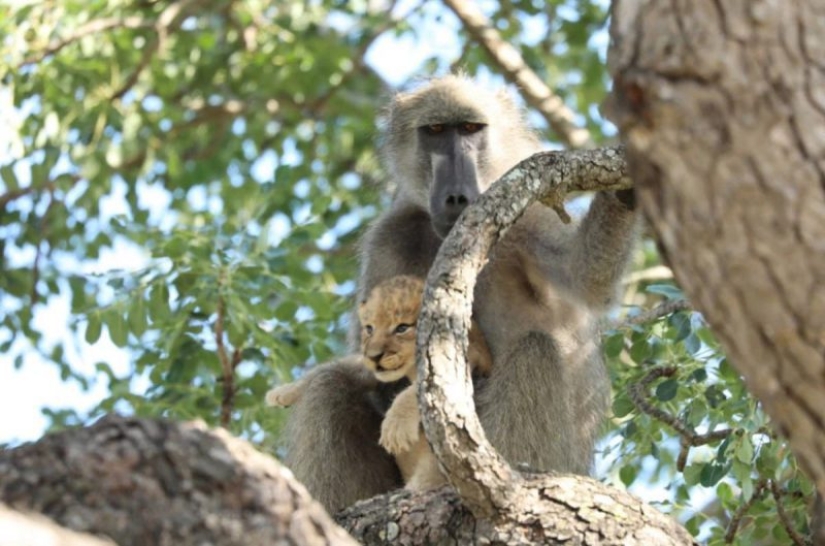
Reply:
x=448, y=141
x=452, y=151
x=388, y=320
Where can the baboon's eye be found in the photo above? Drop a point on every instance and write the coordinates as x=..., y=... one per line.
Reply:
x=434, y=129
x=401, y=328
x=470, y=127
x=368, y=329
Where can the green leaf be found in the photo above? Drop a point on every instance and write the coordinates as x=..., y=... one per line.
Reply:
x=711, y=474
x=94, y=327
x=158, y=303
x=715, y=395
x=286, y=311
x=628, y=474
x=667, y=290
x=693, y=473
x=640, y=350
x=622, y=405
x=614, y=345
x=8, y=177
x=692, y=344
x=174, y=248
x=680, y=323
x=116, y=325
x=137, y=316
x=666, y=390
x=747, y=488
x=694, y=524
x=723, y=491
x=699, y=375
x=744, y=450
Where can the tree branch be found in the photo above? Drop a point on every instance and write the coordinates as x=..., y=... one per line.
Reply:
x=26, y=528
x=663, y=309
x=689, y=437
x=92, y=27
x=482, y=477
x=559, y=117
x=555, y=510
x=736, y=520
x=141, y=481
x=228, y=366
x=777, y=493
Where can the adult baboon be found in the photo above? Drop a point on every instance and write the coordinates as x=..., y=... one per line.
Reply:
x=537, y=301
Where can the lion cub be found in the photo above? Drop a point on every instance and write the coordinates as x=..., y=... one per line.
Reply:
x=388, y=321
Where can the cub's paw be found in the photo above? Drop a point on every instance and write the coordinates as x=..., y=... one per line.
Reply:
x=399, y=433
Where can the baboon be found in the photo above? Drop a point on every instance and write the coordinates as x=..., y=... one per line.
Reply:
x=538, y=300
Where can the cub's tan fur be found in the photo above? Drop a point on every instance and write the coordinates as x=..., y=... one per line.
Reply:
x=388, y=317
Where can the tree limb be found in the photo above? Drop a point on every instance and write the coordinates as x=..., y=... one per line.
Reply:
x=140, y=482
x=27, y=528
x=688, y=437
x=482, y=477
x=92, y=27
x=487, y=485
x=663, y=309
x=559, y=117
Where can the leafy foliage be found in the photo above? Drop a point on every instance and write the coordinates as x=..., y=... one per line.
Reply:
x=683, y=417
x=189, y=180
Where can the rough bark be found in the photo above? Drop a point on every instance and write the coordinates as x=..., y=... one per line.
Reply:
x=563, y=510
x=722, y=109
x=20, y=528
x=154, y=482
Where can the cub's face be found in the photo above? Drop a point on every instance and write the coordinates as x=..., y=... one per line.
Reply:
x=388, y=319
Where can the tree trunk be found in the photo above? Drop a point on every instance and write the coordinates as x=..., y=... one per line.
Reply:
x=19, y=528
x=143, y=482
x=722, y=108
x=549, y=510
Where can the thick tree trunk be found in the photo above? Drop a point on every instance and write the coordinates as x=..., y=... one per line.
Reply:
x=18, y=529
x=143, y=482
x=722, y=108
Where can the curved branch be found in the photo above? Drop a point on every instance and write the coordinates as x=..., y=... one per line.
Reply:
x=559, y=117
x=482, y=477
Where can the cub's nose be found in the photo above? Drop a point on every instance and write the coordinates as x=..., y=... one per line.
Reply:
x=376, y=358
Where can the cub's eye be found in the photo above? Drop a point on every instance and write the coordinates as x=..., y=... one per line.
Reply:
x=470, y=127
x=434, y=129
x=368, y=329
x=401, y=328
